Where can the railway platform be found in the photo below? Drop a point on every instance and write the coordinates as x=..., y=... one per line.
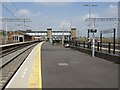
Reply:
x=49, y=66
x=29, y=74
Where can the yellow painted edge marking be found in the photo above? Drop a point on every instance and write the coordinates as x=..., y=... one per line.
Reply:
x=35, y=80
x=40, y=66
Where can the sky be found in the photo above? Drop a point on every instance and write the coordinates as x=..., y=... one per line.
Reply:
x=60, y=15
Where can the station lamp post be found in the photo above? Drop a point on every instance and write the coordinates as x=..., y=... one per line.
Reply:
x=89, y=5
x=91, y=30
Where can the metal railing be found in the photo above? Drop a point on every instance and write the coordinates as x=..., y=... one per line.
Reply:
x=101, y=47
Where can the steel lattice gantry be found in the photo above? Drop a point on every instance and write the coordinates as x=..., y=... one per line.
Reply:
x=103, y=19
x=102, y=32
x=14, y=20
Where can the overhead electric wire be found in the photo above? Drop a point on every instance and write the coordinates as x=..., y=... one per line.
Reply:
x=9, y=11
x=14, y=6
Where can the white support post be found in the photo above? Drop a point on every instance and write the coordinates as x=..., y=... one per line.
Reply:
x=93, y=46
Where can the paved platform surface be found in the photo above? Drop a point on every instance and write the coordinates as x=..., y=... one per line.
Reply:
x=67, y=68
x=29, y=74
x=59, y=67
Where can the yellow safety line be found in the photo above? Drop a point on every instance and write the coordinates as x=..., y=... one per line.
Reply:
x=40, y=66
x=35, y=80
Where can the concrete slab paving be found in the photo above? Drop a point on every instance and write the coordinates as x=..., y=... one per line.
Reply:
x=67, y=68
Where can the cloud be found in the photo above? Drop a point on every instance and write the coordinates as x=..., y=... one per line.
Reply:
x=76, y=0
x=113, y=7
x=40, y=21
x=65, y=24
x=59, y=0
x=54, y=0
x=111, y=11
x=52, y=3
x=23, y=12
x=37, y=14
x=92, y=16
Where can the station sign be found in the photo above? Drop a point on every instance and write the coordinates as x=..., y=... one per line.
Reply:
x=107, y=31
x=92, y=30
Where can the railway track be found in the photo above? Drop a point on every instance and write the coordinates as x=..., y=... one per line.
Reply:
x=10, y=64
x=11, y=50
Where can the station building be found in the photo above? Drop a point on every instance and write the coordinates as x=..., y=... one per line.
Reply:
x=18, y=36
x=49, y=34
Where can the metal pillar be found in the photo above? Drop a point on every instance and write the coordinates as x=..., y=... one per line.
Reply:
x=88, y=34
x=109, y=47
x=114, y=42
x=88, y=38
x=98, y=46
x=62, y=38
x=100, y=41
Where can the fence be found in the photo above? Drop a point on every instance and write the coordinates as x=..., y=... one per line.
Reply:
x=104, y=47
